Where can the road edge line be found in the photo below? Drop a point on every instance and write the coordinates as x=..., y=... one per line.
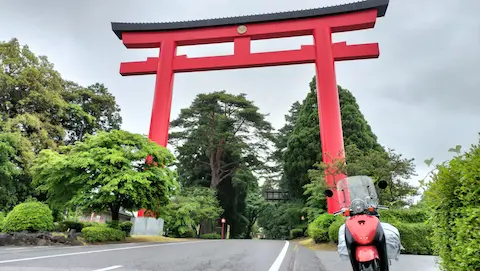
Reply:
x=278, y=262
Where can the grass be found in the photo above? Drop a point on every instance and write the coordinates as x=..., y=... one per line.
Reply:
x=309, y=243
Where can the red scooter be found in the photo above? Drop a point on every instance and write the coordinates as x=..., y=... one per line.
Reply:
x=364, y=237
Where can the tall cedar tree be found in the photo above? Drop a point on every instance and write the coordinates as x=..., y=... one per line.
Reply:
x=304, y=146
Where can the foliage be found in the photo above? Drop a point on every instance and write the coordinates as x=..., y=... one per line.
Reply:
x=280, y=218
x=40, y=110
x=296, y=233
x=404, y=215
x=13, y=170
x=211, y=236
x=187, y=209
x=316, y=202
x=255, y=205
x=222, y=142
x=218, y=126
x=72, y=225
x=2, y=218
x=415, y=237
x=318, y=229
x=102, y=234
x=304, y=146
x=107, y=171
x=29, y=216
x=96, y=110
x=452, y=196
x=334, y=228
x=126, y=227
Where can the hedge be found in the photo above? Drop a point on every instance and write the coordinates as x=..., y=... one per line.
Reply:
x=2, y=217
x=296, y=233
x=318, y=229
x=31, y=216
x=210, y=236
x=403, y=215
x=334, y=228
x=453, y=195
x=102, y=234
x=126, y=227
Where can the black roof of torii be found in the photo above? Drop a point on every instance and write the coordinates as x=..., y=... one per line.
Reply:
x=379, y=5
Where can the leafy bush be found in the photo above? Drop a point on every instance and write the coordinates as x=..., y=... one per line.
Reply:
x=296, y=233
x=2, y=217
x=93, y=224
x=126, y=227
x=453, y=198
x=415, y=238
x=102, y=234
x=211, y=236
x=403, y=215
x=114, y=224
x=334, y=227
x=29, y=216
x=72, y=225
x=318, y=229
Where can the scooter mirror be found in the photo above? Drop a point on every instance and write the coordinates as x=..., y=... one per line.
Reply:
x=382, y=184
x=328, y=193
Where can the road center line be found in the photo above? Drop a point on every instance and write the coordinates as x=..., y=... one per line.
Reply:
x=96, y=251
x=278, y=262
x=108, y=268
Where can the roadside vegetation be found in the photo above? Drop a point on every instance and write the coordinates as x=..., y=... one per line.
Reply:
x=63, y=156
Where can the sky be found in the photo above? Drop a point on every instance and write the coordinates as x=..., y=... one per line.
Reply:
x=421, y=97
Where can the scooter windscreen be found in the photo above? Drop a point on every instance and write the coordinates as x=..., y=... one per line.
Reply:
x=357, y=193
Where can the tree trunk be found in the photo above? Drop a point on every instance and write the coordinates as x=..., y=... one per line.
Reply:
x=115, y=213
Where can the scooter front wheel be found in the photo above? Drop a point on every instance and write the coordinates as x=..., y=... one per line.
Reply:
x=370, y=266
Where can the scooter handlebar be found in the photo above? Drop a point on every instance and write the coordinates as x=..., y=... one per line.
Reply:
x=381, y=207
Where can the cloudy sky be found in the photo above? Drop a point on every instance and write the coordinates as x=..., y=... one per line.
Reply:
x=421, y=96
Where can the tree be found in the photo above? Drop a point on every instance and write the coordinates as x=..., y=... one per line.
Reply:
x=37, y=102
x=255, y=205
x=15, y=160
x=30, y=96
x=94, y=109
x=187, y=209
x=304, y=146
x=42, y=110
x=218, y=126
x=107, y=171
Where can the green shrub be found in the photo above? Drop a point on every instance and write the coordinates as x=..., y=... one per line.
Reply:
x=318, y=229
x=126, y=227
x=210, y=236
x=403, y=215
x=114, y=224
x=415, y=238
x=102, y=234
x=2, y=217
x=29, y=216
x=452, y=196
x=72, y=225
x=334, y=227
x=296, y=233
x=93, y=224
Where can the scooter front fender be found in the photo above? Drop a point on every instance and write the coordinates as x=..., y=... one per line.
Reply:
x=366, y=253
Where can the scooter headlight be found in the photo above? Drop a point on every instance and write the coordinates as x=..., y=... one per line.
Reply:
x=358, y=206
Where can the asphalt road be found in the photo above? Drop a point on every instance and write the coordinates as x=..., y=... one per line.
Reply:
x=229, y=255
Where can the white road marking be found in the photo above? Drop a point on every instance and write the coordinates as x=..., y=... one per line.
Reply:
x=108, y=268
x=96, y=251
x=16, y=248
x=278, y=262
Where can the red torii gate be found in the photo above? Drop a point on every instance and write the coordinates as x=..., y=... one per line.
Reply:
x=319, y=22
